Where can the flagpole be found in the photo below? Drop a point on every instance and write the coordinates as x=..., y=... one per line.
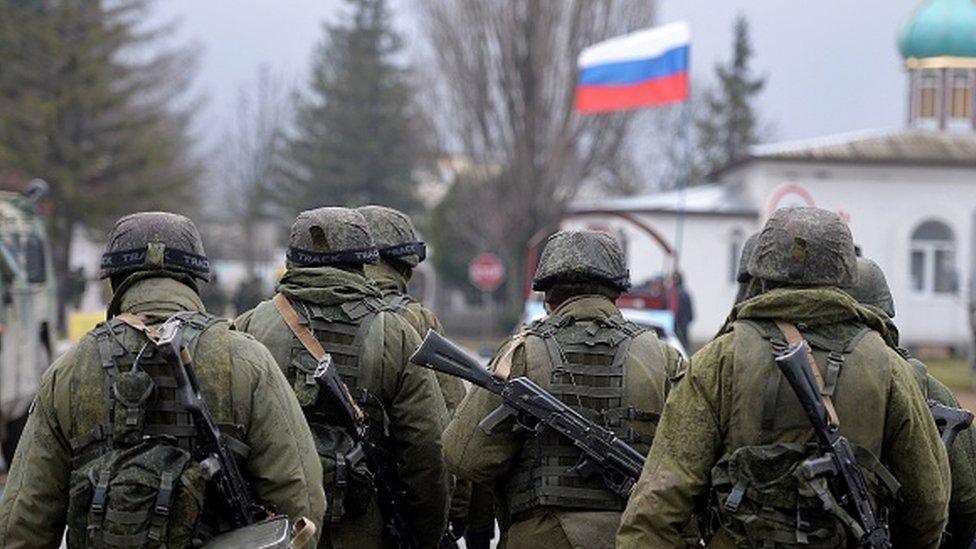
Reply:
x=684, y=174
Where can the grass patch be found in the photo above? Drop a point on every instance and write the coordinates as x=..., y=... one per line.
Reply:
x=955, y=373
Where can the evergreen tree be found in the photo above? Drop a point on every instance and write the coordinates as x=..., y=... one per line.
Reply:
x=727, y=126
x=87, y=105
x=355, y=140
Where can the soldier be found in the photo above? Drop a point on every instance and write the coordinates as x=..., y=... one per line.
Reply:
x=732, y=431
x=872, y=291
x=588, y=356
x=325, y=293
x=108, y=448
x=400, y=253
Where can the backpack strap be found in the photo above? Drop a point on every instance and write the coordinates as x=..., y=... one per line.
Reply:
x=793, y=336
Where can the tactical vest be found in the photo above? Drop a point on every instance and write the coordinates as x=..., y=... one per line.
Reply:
x=342, y=330
x=755, y=494
x=135, y=479
x=591, y=369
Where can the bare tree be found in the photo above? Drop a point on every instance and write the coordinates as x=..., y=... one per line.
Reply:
x=508, y=71
x=250, y=154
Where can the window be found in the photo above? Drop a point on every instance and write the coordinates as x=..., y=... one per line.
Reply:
x=928, y=95
x=961, y=90
x=932, y=259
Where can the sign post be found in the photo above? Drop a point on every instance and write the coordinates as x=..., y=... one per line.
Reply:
x=487, y=272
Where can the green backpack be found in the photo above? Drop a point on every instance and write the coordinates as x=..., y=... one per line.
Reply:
x=135, y=482
x=761, y=500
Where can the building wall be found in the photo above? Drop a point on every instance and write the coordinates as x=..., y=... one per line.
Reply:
x=884, y=205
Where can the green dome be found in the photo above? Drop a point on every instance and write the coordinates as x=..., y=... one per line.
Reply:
x=940, y=28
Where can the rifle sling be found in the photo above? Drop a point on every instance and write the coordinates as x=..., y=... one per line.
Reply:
x=309, y=341
x=137, y=323
x=503, y=366
x=793, y=336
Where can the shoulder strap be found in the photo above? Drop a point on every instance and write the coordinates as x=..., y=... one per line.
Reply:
x=503, y=366
x=793, y=336
x=309, y=341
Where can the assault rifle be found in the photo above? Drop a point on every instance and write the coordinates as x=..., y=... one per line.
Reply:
x=950, y=421
x=534, y=410
x=388, y=494
x=219, y=463
x=837, y=463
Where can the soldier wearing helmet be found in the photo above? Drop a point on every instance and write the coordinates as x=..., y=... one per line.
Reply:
x=110, y=451
x=400, y=253
x=732, y=431
x=872, y=292
x=325, y=290
x=587, y=355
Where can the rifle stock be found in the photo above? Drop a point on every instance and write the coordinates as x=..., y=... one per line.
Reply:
x=950, y=421
x=439, y=353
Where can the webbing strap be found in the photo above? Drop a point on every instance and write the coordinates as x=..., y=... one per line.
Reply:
x=793, y=336
x=503, y=366
x=139, y=325
x=309, y=341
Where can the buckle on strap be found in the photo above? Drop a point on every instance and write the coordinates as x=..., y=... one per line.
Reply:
x=735, y=497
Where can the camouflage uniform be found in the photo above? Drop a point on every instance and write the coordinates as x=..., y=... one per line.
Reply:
x=370, y=346
x=732, y=419
x=239, y=379
x=872, y=291
x=587, y=355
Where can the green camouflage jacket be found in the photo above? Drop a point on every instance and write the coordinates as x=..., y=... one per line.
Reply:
x=704, y=411
x=249, y=391
x=473, y=455
x=408, y=393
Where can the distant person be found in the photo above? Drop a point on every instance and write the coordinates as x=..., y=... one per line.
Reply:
x=249, y=293
x=111, y=451
x=684, y=309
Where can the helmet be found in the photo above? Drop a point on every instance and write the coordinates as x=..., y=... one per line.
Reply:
x=807, y=247
x=330, y=236
x=581, y=256
x=872, y=287
x=394, y=235
x=748, y=249
x=150, y=241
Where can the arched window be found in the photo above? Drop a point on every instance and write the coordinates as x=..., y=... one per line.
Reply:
x=933, y=259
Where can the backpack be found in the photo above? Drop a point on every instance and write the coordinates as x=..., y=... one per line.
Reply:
x=135, y=482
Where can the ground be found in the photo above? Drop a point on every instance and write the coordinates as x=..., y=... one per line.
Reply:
x=958, y=376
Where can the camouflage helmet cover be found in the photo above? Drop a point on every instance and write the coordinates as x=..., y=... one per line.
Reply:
x=148, y=241
x=394, y=234
x=805, y=246
x=748, y=249
x=330, y=236
x=872, y=287
x=581, y=256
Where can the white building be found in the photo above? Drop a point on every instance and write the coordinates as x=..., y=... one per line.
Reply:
x=908, y=195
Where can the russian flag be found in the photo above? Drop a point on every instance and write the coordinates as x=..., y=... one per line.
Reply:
x=641, y=69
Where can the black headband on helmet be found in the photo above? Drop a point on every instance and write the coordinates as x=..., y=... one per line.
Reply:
x=171, y=256
x=305, y=258
x=418, y=249
x=621, y=283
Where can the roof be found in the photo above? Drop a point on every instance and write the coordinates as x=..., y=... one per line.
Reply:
x=906, y=147
x=940, y=28
x=712, y=198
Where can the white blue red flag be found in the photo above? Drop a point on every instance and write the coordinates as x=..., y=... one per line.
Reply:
x=641, y=69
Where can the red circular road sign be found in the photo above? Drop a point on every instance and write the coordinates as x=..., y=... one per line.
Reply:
x=486, y=272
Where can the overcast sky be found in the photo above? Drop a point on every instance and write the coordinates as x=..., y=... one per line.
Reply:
x=832, y=64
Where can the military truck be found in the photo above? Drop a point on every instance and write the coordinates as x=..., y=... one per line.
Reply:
x=28, y=308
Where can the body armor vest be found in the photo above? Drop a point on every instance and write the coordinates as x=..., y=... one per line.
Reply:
x=589, y=371
x=755, y=494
